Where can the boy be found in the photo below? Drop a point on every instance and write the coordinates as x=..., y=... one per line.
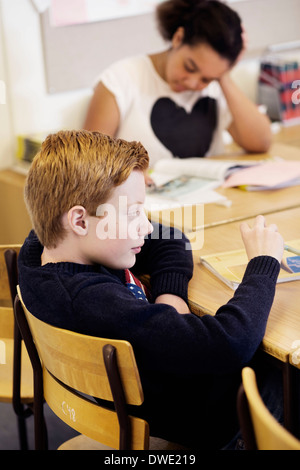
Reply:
x=85, y=193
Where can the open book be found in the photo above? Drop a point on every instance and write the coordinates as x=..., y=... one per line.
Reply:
x=189, y=181
x=230, y=266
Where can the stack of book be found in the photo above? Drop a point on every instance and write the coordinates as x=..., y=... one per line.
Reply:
x=28, y=146
x=278, y=89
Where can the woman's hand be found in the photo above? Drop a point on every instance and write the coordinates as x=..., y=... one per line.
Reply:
x=249, y=128
x=245, y=40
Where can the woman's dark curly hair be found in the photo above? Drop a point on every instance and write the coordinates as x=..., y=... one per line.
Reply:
x=204, y=21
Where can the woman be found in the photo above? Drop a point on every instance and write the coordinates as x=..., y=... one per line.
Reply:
x=179, y=101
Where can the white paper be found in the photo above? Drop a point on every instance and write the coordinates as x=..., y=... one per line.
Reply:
x=153, y=203
x=70, y=12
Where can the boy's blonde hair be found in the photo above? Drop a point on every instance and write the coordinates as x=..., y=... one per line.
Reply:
x=76, y=168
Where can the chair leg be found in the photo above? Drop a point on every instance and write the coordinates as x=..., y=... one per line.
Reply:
x=42, y=440
x=39, y=422
x=245, y=420
x=22, y=433
x=45, y=430
x=110, y=361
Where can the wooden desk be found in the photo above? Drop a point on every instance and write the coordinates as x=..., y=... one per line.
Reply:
x=289, y=135
x=15, y=221
x=207, y=294
x=245, y=204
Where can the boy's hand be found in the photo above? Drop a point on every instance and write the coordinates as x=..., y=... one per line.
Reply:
x=261, y=239
x=177, y=302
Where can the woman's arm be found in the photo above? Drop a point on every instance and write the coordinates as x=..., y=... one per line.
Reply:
x=103, y=113
x=249, y=128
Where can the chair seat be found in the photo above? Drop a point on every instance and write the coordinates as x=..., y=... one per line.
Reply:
x=6, y=373
x=82, y=442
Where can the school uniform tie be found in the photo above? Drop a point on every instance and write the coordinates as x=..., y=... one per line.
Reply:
x=135, y=286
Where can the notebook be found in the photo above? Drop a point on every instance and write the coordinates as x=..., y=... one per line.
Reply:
x=230, y=266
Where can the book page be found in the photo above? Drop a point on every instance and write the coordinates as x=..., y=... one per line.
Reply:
x=156, y=203
x=181, y=186
x=200, y=167
x=180, y=190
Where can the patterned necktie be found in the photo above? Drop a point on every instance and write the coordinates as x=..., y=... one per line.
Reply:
x=135, y=286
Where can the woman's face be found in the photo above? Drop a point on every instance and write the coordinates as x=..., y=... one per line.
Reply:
x=193, y=67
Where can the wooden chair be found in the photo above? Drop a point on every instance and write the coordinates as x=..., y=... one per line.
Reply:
x=70, y=369
x=259, y=428
x=16, y=384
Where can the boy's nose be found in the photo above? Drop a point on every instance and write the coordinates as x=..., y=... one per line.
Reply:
x=150, y=228
x=145, y=227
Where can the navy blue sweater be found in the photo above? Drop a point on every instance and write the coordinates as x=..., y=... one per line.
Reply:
x=188, y=364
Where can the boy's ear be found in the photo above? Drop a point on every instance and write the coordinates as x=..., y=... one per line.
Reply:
x=77, y=220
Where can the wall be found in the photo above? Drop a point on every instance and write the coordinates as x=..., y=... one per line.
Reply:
x=266, y=22
x=91, y=47
x=6, y=132
x=30, y=109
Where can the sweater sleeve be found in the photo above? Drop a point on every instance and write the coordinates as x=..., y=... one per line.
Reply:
x=239, y=326
x=167, y=257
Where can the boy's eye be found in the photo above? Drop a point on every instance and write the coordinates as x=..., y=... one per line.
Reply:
x=135, y=210
x=134, y=214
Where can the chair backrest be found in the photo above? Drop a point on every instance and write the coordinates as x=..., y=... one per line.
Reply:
x=260, y=429
x=16, y=384
x=72, y=361
x=6, y=295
